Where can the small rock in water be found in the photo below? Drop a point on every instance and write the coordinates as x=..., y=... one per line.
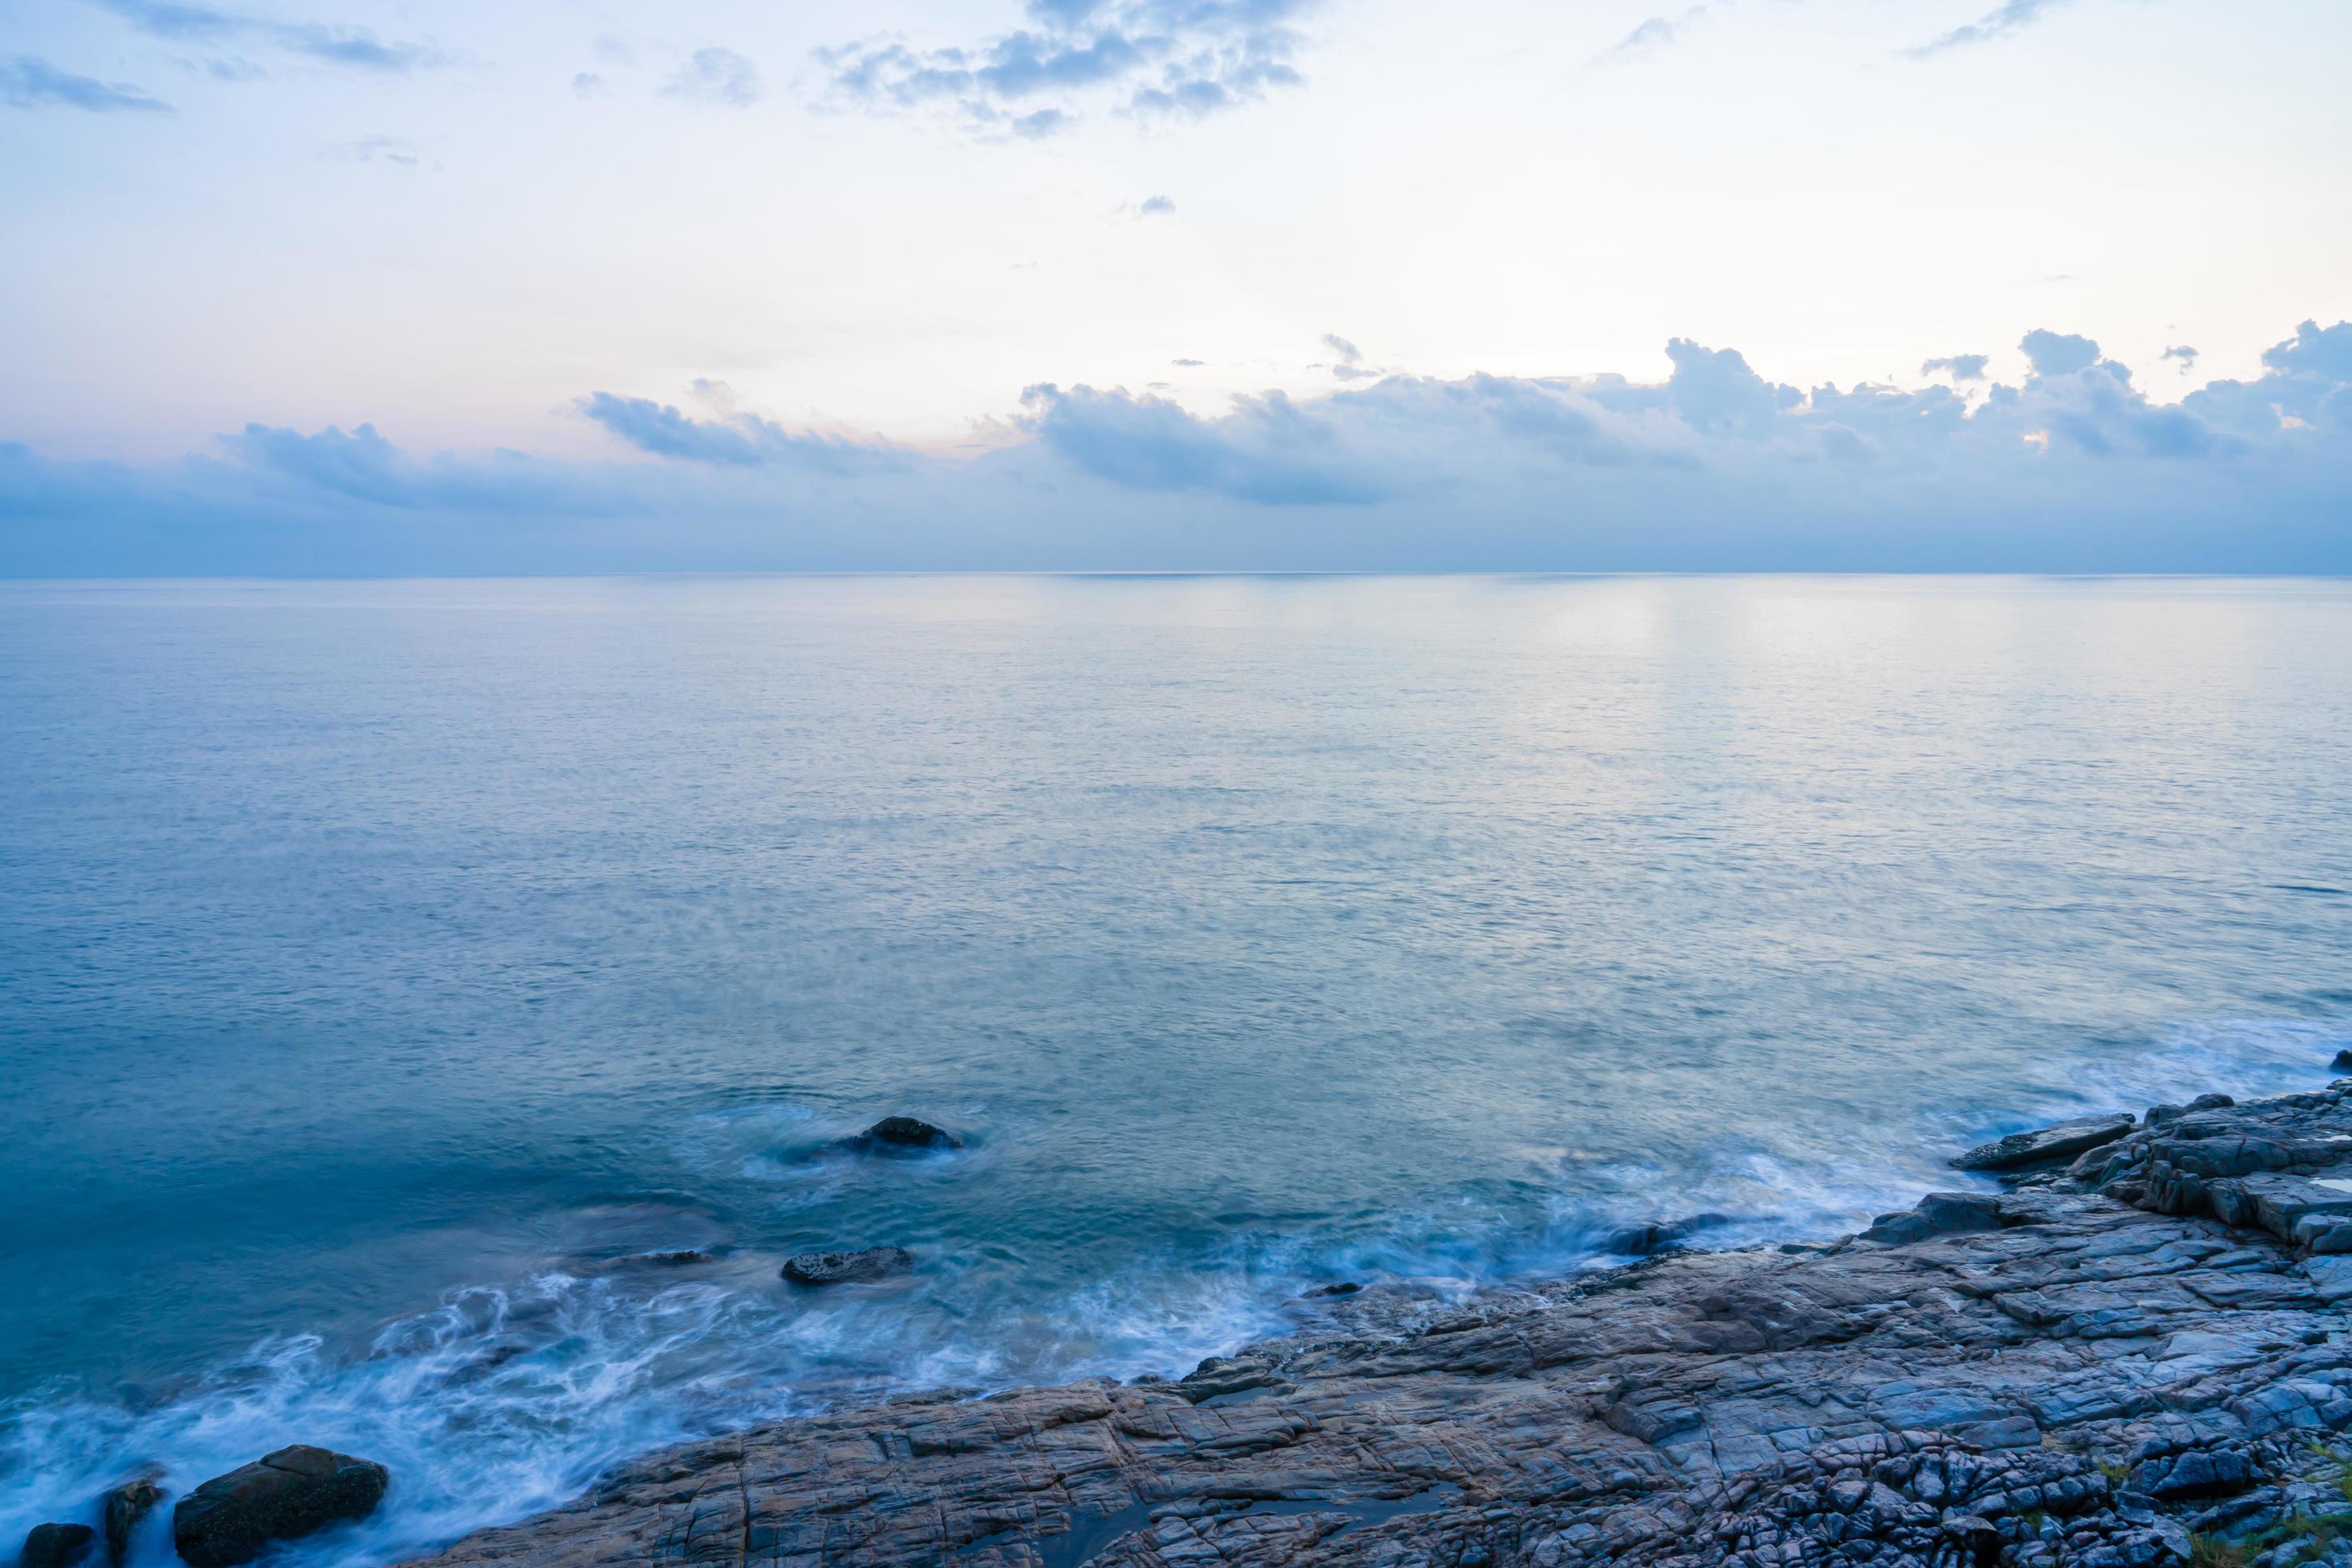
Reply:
x=1658, y=1236
x=123, y=1508
x=683, y=1257
x=56, y=1545
x=858, y=1267
x=2343, y=1059
x=907, y=1133
x=292, y=1492
x=2057, y=1143
x=1344, y=1287
x=2211, y=1102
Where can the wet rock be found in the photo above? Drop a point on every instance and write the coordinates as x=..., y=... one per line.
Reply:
x=680, y=1258
x=56, y=1545
x=862, y=1267
x=1938, y=1214
x=1344, y=1287
x=907, y=1133
x=2066, y=1375
x=291, y=1493
x=1659, y=1236
x=123, y=1508
x=2343, y=1060
x=2047, y=1144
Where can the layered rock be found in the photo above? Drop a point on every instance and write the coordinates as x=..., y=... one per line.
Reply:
x=2085, y=1369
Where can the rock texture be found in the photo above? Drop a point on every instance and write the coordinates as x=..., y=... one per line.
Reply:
x=859, y=1267
x=123, y=1508
x=2143, y=1360
x=293, y=1492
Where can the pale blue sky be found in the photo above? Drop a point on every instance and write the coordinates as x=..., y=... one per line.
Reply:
x=964, y=283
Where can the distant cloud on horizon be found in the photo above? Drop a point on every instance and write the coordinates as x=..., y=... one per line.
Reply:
x=1716, y=466
x=716, y=76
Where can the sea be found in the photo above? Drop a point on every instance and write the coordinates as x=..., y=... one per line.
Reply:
x=389, y=968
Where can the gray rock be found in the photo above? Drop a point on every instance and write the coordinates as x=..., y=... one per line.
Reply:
x=56, y=1545
x=862, y=1267
x=2056, y=1374
x=2045, y=1144
x=123, y=1508
x=291, y=1493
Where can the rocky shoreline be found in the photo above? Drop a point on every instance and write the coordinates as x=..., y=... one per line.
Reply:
x=2138, y=1352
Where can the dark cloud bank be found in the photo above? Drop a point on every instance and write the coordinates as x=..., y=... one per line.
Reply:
x=1713, y=469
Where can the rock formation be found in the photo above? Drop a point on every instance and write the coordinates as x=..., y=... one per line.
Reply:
x=290, y=1493
x=2143, y=1360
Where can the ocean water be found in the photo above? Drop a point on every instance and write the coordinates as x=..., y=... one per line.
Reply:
x=385, y=967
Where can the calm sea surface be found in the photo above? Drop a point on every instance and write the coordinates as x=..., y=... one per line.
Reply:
x=382, y=965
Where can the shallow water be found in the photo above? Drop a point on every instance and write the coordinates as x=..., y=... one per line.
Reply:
x=382, y=965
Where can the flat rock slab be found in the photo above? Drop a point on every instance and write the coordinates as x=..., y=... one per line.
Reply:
x=2047, y=1377
x=2063, y=1142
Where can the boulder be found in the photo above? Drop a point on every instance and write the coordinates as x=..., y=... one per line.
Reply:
x=56, y=1545
x=123, y=1508
x=859, y=1267
x=906, y=1132
x=290, y=1493
x=1658, y=1236
x=2059, y=1142
x=2343, y=1060
x=1938, y=1214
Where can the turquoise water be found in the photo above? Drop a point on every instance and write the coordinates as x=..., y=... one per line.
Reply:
x=382, y=965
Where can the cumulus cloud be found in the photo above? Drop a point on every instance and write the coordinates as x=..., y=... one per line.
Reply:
x=1185, y=58
x=2182, y=356
x=29, y=83
x=1717, y=465
x=1156, y=206
x=1998, y=23
x=356, y=48
x=588, y=84
x=1959, y=367
x=716, y=76
x=2058, y=354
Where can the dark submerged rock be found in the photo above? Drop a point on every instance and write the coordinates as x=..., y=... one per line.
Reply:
x=2343, y=1060
x=56, y=1545
x=123, y=1508
x=2047, y=1144
x=293, y=1492
x=859, y=1267
x=906, y=1132
x=1658, y=1236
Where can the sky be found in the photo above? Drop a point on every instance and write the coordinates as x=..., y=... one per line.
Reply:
x=390, y=286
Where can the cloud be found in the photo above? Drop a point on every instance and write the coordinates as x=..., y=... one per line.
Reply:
x=716, y=76
x=1187, y=363
x=1156, y=206
x=1349, y=365
x=1997, y=23
x=588, y=84
x=355, y=47
x=1148, y=57
x=1959, y=367
x=383, y=149
x=1717, y=467
x=1657, y=33
x=744, y=440
x=2055, y=354
x=2185, y=356
x=29, y=83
